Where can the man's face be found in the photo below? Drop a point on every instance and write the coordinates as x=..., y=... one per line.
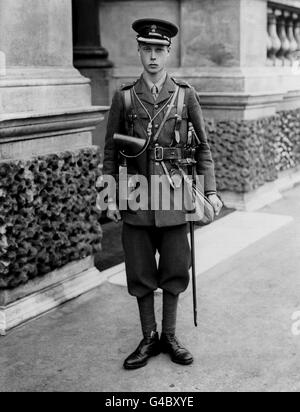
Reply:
x=154, y=57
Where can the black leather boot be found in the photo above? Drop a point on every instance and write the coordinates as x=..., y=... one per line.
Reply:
x=148, y=348
x=169, y=344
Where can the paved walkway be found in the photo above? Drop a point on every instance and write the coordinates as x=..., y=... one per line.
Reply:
x=244, y=341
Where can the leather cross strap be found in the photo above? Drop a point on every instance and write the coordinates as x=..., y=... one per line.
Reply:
x=156, y=137
x=179, y=114
x=128, y=111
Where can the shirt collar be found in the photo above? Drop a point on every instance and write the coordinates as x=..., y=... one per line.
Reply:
x=159, y=84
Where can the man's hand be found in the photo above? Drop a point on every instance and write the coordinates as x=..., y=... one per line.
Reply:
x=216, y=203
x=113, y=212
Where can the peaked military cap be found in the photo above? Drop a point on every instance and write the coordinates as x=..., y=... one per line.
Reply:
x=154, y=31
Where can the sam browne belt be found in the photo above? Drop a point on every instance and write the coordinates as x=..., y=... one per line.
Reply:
x=160, y=154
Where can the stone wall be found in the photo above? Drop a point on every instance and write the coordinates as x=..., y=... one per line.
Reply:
x=248, y=154
x=116, y=18
x=48, y=215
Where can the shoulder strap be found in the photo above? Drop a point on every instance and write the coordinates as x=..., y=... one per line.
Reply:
x=127, y=86
x=180, y=105
x=128, y=100
x=193, y=139
x=128, y=110
x=156, y=137
x=181, y=83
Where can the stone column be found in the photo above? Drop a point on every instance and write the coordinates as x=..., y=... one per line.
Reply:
x=49, y=226
x=90, y=58
x=88, y=51
x=275, y=40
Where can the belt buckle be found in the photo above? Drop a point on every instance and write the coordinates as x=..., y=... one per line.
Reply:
x=159, y=154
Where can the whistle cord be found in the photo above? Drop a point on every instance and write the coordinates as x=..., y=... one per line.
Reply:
x=151, y=119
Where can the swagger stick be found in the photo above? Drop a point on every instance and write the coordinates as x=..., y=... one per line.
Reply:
x=192, y=230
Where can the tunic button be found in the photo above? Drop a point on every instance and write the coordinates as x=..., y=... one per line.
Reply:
x=156, y=106
x=156, y=126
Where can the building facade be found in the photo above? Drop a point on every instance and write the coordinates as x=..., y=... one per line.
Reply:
x=60, y=62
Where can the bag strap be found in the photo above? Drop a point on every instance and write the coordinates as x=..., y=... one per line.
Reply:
x=180, y=105
x=193, y=138
x=128, y=111
x=156, y=137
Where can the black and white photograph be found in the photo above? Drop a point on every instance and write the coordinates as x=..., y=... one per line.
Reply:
x=149, y=199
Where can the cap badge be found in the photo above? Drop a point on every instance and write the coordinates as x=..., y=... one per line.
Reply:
x=153, y=28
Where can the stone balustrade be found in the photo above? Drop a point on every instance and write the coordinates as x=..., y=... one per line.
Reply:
x=283, y=35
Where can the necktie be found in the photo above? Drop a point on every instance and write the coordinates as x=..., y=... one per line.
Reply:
x=154, y=91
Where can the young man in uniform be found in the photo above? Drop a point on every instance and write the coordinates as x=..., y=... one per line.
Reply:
x=139, y=109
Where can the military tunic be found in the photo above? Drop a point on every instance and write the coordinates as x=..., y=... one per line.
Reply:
x=147, y=231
